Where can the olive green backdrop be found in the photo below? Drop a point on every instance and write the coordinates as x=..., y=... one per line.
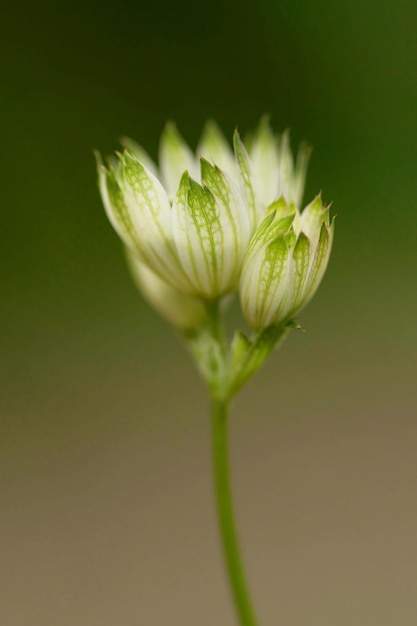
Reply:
x=106, y=507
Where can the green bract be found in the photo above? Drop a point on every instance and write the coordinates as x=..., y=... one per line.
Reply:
x=205, y=224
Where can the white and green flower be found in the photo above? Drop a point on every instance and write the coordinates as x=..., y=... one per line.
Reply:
x=193, y=228
x=197, y=219
x=285, y=262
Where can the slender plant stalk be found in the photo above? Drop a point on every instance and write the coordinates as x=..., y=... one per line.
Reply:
x=220, y=413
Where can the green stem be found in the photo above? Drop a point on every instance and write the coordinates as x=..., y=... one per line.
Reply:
x=220, y=411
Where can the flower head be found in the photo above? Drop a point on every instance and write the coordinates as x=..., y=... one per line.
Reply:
x=208, y=223
x=285, y=262
x=193, y=228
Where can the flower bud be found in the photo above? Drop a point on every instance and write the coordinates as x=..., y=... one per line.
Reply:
x=190, y=220
x=285, y=263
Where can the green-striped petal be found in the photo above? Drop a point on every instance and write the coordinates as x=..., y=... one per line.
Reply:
x=264, y=283
x=150, y=218
x=319, y=262
x=312, y=217
x=214, y=147
x=175, y=157
x=140, y=153
x=245, y=177
x=266, y=165
x=300, y=174
x=198, y=236
x=234, y=220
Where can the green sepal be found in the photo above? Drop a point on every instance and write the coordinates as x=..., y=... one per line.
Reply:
x=294, y=325
x=240, y=345
x=249, y=355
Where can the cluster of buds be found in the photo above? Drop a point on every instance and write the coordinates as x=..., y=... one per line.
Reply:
x=206, y=224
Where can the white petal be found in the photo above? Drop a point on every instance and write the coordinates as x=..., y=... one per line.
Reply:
x=319, y=262
x=270, y=279
x=301, y=258
x=249, y=287
x=300, y=174
x=255, y=212
x=285, y=168
x=234, y=220
x=198, y=236
x=277, y=274
x=276, y=224
x=311, y=219
x=181, y=310
x=141, y=154
x=150, y=214
x=214, y=148
x=175, y=157
x=264, y=283
x=266, y=165
x=114, y=205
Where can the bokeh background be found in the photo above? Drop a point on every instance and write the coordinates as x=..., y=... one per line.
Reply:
x=107, y=516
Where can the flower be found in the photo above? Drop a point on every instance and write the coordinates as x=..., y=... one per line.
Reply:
x=285, y=262
x=193, y=228
x=201, y=225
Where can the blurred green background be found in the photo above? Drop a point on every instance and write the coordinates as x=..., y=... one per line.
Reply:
x=106, y=507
